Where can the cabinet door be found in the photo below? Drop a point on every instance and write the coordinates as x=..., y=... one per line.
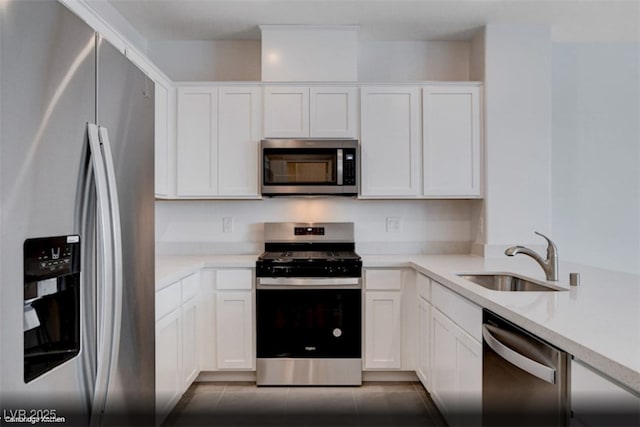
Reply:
x=197, y=141
x=206, y=325
x=451, y=141
x=190, y=365
x=597, y=401
x=234, y=330
x=161, y=133
x=286, y=112
x=168, y=385
x=424, y=343
x=456, y=384
x=333, y=112
x=239, y=111
x=390, y=141
x=383, y=330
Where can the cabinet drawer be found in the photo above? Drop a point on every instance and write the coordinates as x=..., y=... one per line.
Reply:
x=423, y=286
x=168, y=299
x=383, y=280
x=234, y=279
x=190, y=285
x=463, y=312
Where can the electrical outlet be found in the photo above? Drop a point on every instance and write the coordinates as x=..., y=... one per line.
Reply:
x=227, y=224
x=394, y=224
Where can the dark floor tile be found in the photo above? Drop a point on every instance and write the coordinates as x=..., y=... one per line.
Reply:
x=240, y=405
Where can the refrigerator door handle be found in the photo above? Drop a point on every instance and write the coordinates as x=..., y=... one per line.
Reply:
x=105, y=275
x=534, y=368
x=116, y=241
x=110, y=271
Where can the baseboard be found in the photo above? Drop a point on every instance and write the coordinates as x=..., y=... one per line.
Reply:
x=227, y=376
x=389, y=376
x=250, y=376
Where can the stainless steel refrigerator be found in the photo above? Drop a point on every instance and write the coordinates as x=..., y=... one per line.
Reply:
x=77, y=223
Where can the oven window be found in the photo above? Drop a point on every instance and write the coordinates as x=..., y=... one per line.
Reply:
x=300, y=167
x=307, y=323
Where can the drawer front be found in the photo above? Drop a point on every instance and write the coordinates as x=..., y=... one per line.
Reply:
x=383, y=280
x=190, y=286
x=234, y=279
x=168, y=299
x=423, y=286
x=463, y=312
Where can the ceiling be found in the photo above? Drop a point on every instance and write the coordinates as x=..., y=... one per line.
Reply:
x=573, y=20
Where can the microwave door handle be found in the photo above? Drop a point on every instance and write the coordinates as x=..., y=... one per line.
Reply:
x=532, y=367
x=339, y=166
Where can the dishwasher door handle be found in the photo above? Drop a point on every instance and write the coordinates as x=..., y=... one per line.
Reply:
x=534, y=368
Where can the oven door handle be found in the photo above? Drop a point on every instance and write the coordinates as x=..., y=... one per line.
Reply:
x=306, y=282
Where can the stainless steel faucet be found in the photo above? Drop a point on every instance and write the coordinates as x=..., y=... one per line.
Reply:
x=549, y=265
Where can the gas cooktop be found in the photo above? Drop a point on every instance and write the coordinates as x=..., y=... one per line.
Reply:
x=309, y=250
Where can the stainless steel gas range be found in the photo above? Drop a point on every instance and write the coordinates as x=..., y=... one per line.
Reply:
x=309, y=306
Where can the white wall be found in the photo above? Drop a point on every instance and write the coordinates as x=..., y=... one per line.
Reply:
x=596, y=154
x=437, y=226
x=378, y=61
x=224, y=60
x=412, y=61
x=517, y=112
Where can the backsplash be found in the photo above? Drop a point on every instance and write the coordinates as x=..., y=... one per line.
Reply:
x=381, y=226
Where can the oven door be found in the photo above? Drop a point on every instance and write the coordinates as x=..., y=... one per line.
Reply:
x=307, y=321
x=308, y=333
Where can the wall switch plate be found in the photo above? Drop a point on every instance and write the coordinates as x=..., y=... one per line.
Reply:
x=227, y=224
x=394, y=224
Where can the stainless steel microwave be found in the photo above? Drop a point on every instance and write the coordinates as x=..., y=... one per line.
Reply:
x=310, y=167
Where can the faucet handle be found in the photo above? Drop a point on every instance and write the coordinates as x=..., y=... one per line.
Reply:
x=551, y=248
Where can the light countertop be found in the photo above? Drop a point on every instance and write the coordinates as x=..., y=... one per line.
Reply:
x=597, y=322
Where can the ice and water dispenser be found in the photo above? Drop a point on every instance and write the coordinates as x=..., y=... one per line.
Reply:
x=51, y=303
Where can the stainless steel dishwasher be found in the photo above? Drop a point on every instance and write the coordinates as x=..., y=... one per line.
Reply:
x=524, y=379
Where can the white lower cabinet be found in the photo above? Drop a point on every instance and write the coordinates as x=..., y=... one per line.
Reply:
x=190, y=363
x=423, y=356
x=176, y=345
x=456, y=357
x=383, y=330
x=234, y=325
x=382, y=319
x=234, y=319
x=456, y=385
x=597, y=400
x=389, y=320
x=167, y=363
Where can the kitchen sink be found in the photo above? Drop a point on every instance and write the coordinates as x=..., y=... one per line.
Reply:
x=508, y=282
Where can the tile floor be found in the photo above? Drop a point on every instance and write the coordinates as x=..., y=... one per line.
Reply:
x=243, y=404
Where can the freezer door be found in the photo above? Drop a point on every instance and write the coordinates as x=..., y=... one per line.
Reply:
x=47, y=95
x=126, y=112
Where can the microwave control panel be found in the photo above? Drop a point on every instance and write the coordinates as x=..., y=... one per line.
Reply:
x=349, y=167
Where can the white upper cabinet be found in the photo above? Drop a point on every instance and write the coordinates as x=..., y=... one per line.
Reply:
x=161, y=132
x=197, y=141
x=451, y=141
x=238, y=138
x=286, y=112
x=317, y=112
x=333, y=112
x=217, y=141
x=390, y=141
